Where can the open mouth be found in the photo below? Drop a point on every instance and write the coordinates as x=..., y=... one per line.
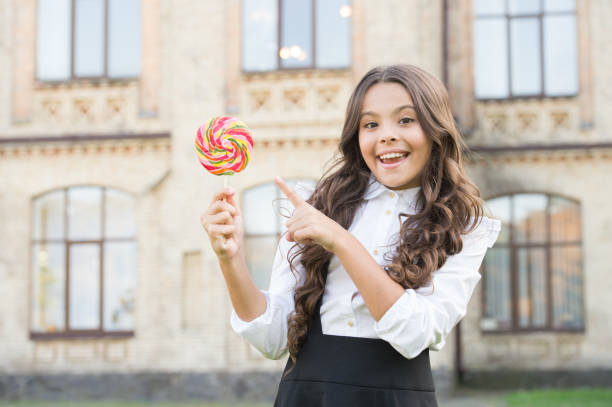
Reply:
x=392, y=158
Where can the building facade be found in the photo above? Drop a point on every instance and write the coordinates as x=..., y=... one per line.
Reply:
x=108, y=281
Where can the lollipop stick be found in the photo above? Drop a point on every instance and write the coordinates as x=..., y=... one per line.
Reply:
x=224, y=198
x=224, y=185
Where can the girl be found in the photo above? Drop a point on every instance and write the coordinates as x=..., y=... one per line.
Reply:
x=378, y=264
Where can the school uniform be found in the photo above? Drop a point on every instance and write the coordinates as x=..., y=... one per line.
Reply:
x=349, y=358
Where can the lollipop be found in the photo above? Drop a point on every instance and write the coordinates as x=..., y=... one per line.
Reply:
x=223, y=145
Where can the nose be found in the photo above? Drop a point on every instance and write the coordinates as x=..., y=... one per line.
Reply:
x=387, y=137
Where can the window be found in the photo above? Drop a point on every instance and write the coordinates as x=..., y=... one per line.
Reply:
x=88, y=39
x=286, y=34
x=525, y=48
x=83, y=263
x=533, y=274
x=264, y=221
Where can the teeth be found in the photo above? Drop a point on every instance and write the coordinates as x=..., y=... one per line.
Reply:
x=391, y=155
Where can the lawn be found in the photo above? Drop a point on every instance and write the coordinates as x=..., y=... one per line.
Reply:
x=561, y=398
x=534, y=398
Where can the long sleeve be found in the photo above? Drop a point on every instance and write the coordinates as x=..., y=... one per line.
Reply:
x=268, y=332
x=423, y=318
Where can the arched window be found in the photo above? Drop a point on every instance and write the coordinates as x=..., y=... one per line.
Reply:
x=533, y=275
x=263, y=225
x=83, y=263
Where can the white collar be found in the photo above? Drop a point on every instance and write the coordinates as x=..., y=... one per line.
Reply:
x=375, y=189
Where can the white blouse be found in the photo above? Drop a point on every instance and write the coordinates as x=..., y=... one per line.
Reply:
x=419, y=319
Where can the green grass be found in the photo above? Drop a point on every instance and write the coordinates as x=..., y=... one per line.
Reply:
x=533, y=398
x=561, y=398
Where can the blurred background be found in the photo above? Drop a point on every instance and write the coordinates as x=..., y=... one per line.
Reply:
x=108, y=285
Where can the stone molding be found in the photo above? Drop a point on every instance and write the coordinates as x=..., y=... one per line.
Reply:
x=83, y=145
x=539, y=153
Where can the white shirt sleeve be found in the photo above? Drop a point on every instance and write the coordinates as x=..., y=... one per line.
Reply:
x=268, y=333
x=422, y=318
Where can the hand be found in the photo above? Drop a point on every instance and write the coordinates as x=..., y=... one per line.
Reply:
x=308, y=225
x=223, y=223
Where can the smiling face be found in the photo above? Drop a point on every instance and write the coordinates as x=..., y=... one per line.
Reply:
x=392, y=143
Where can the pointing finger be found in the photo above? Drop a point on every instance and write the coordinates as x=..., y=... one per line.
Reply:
x=295, y=199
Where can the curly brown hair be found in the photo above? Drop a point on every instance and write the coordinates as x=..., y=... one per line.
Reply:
x=449, y=203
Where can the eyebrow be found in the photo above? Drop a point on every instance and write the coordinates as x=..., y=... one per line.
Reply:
x=399, y=109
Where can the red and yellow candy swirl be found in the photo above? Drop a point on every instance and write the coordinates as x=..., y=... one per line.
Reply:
x=224, y=145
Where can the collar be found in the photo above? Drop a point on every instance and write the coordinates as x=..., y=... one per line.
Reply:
x=375, y=189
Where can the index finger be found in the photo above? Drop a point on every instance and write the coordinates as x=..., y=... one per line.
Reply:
x=295, y=199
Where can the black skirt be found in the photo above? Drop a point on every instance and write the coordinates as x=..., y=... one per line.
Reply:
x=337, y=371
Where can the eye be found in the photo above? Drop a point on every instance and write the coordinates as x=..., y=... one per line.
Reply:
x=369, y=125
x=406, y=120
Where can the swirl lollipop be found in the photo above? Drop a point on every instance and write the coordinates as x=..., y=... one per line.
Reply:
x=224, y=145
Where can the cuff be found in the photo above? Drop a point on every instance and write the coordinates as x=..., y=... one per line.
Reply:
x=240, y=326
x=401, y=309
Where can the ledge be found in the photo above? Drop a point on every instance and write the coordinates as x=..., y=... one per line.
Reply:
x=539, y=147
x=76, y=138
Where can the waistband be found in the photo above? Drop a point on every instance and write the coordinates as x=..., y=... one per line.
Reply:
x=358, y=361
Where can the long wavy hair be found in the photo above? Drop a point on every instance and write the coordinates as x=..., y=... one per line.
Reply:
x=448, y=204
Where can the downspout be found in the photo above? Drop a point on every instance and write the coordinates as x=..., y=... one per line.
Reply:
x=458, y=370
x=445, y=42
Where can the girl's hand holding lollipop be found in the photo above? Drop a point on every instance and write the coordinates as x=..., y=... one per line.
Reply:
x=223, y=146
x=223, y=223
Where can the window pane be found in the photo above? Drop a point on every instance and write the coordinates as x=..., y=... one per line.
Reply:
x=497, y=314
x=524, y=7
x=123, y=38
x=567, y=287
x=119, y=218
x=333, y=36
x=89, y=38
x=491, y=58
x=53, y=39
x=488, y=7
x=258, y=207
x=560, y=57
x=500, y=208
x=559, y=5
x=84, y=213
x=49, y=216
x=48, y=267
x=296, y=33
x=532, y=291
x=565, y=222
x=260, y=251
x=530, y=218
x=84, y=286
x=259, y=35
x=525, y=48
x=119, y=285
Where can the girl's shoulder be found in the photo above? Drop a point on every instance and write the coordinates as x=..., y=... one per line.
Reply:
x=486, y=228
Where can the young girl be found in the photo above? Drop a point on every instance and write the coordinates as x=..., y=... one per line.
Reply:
x=378, y=264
